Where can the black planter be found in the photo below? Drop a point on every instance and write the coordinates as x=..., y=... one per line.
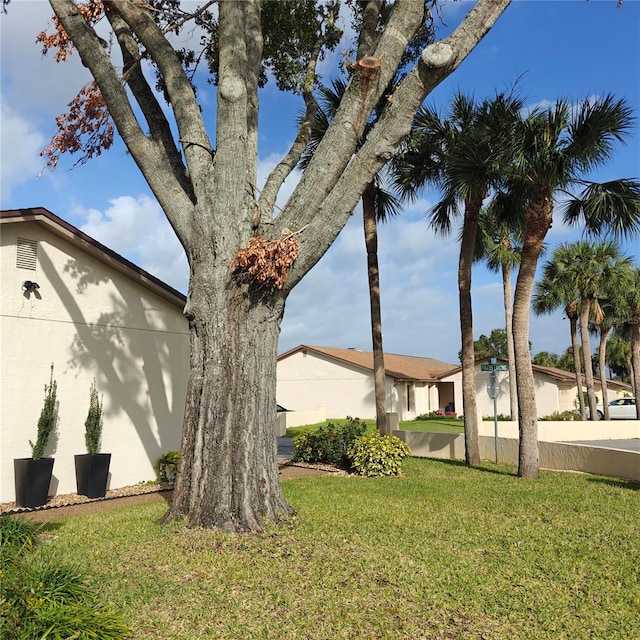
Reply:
x=92, y=471
x=32, y=478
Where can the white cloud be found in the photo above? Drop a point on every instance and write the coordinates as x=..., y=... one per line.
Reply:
x=20, y=145
x=137, y=228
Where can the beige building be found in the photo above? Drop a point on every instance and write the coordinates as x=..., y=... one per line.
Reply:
x=341, y=381
x=93, y=315
x=555, y=389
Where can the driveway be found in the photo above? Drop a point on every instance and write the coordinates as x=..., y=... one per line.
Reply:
x=628, y=445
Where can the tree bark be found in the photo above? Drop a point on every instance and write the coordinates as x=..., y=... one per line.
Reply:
x=228, y=475
x=635, y=359
x=538, y=217
x=469, y=404
x=573, y=324
x=602, y=363
x=508, y=322
x=585, y=309
x=373, y=273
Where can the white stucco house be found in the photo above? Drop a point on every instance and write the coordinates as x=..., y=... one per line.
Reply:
x=556, y=389
x=341, y=382
x=96, y=315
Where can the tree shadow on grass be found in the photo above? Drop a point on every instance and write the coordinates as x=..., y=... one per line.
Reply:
x=633, y=485
x=485, y=466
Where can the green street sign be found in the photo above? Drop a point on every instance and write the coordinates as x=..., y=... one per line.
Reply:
x=494, y=367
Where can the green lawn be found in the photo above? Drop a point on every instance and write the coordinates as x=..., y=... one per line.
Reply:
x=443, y=552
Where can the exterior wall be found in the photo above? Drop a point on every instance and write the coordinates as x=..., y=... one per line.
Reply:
x=550, y=397
x=307, y=380
x=90, y=321
x=288, y=419
x=568, y=431
x=553, y=455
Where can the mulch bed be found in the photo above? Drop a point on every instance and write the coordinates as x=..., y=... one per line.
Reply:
x=74, y=504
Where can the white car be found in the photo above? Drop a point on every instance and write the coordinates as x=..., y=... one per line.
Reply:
x=620, y=409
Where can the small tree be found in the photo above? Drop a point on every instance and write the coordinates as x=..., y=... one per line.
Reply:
x=93, y=423
x=48, y=418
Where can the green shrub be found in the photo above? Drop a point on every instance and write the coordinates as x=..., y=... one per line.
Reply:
x=16, y=534
x=564, y=416
x=329, y=444
x=43, y=596
x=501, y=417
x=167, y=466
x=93, y=423
x=377, y=455
x=47, y=420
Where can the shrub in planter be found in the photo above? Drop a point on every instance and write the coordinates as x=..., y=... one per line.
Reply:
x=92, y=468
x=33, y=475
x=329, y=444
x=167, y=466
x=378, y=455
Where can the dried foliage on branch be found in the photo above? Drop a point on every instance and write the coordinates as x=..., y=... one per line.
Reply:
x=91, y=11
x=266, y=262
x=87, y=127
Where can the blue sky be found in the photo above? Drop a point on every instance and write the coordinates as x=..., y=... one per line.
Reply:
x=561, y=48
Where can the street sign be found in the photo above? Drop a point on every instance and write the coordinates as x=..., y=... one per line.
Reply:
x=494, y=367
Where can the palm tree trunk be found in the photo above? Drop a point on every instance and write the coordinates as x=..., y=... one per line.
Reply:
x=602, y=362
x=508, y=322
x=585, y=309
x=538, y=218
x=573, y=323
x=635, y=360
x=373, y=273
x=469, y=406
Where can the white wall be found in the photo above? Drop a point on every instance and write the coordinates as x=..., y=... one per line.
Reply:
x=308, y=380
x=553, y=455
x=91, y=322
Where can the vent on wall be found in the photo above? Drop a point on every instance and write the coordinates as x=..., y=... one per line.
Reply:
x=27, y=254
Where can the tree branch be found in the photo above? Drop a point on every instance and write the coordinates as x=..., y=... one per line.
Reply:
x=437, y=61
x=146, y=154
x=145, y=97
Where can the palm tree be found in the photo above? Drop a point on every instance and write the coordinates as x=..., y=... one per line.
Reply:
x=459, y=154
x=612, y=302
x=378, y=205
x=631, y=327
x=588, y=270
x=499, y=246
x=554, y=150
x=553, y=292
x=619, y=351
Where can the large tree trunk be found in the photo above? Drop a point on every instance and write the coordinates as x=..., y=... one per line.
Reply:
x=585, y=309
x=573, y=324
x=538, y=221
x=469, y=404
x=508, y=323
x=373, y=273
x=228, y=475
x=602, y=364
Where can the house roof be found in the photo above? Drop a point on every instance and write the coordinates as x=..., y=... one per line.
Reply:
x=61, y=228
x=398, y=367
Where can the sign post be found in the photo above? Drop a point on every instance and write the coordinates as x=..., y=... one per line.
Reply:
x=492, y=390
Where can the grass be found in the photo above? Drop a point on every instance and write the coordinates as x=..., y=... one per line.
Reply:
x=443, y=552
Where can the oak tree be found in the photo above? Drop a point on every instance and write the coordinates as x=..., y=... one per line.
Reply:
x=245, y=254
